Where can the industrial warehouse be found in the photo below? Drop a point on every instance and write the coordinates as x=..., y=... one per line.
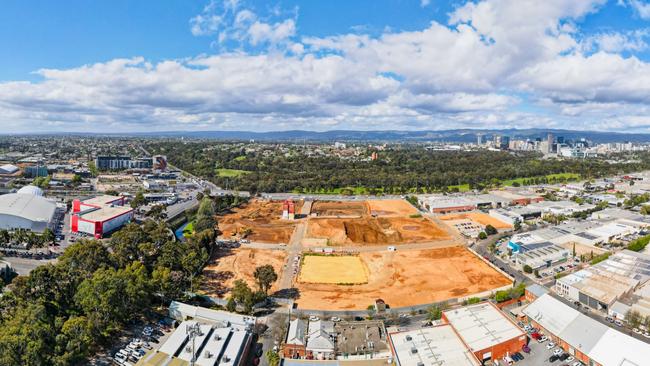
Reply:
x=442, y=204
x=100, y=215
x=204, y=337
x=584, y=338
x=431, y=346
x=26, y=209
x=487, y=332
x=601, y=285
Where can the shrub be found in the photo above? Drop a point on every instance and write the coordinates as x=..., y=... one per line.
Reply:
x=528, y=269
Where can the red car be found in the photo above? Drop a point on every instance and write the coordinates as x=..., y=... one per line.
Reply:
x=536, y=335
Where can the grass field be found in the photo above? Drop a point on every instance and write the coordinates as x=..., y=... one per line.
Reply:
x=231, y=173
x=333, y=270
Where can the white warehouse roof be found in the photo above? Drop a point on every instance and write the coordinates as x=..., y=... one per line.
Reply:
x=25, y=211
x=431, y=346
x=30, y=189
x=8, y=169
x=605, y=345
x=482, y=326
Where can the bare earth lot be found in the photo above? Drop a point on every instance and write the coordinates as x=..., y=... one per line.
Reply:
x=391, y=208
x=479, y=218
x=263, y=218
x=333, y=269
x=239, y=263
x=405, y=278
x=374, y=230
x=339, y=208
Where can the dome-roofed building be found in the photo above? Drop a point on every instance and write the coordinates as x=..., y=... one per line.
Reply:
x=30, y=189
x=26, y=209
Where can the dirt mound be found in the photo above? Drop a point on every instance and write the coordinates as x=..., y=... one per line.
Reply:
x=339, y=208
x=227, y=266
x=371, y=231
x=258, y=221
x=374, y=230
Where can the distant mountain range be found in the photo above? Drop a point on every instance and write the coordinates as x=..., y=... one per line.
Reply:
x=454, y=135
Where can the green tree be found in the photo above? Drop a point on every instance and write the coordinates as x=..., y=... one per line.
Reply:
x=265, y=276
x=242, y=295
x=490, y=230
x=272, y=357
x=482, y=235
x=205, y=215
x=528, y=269
x=231, y=305
x=74, y=342
x=27, y=336
x=633, y=318
x=138, y=200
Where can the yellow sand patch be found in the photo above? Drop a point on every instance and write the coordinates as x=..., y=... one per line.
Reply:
x=333, y=269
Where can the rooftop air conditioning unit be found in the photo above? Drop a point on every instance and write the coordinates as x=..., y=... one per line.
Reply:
x=409, y=338
x=188, y=349
x=207, y=354
x=414, y=350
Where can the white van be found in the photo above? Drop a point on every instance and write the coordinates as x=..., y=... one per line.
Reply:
x=392, y=248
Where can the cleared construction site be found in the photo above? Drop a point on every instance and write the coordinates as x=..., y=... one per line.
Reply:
x=363, y=262
x=402, y=278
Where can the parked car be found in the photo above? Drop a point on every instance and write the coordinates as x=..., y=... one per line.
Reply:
x=542, y=339
x=558, y=352
x=618, y=323
x=550, y=345
x=553, y=358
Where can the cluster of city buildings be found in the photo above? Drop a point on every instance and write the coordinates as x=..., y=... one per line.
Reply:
x=557, y=145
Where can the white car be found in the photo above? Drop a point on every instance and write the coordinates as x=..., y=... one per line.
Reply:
x=543, y=339
x=577, y=363
x=636, y=330
x=569, y=359
x=119, y=358
x=550, y=345
x=314, y=318
x=558, y=351
x=335, y=319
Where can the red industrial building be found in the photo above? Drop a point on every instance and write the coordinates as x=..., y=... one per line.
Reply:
x=488, y=333
x=100, y=215
x=288, y=209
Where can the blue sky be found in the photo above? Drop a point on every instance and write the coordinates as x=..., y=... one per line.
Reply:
x=318, y=65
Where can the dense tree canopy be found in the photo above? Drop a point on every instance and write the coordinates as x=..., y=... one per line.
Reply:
x=399, y=169
x=61, y=313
